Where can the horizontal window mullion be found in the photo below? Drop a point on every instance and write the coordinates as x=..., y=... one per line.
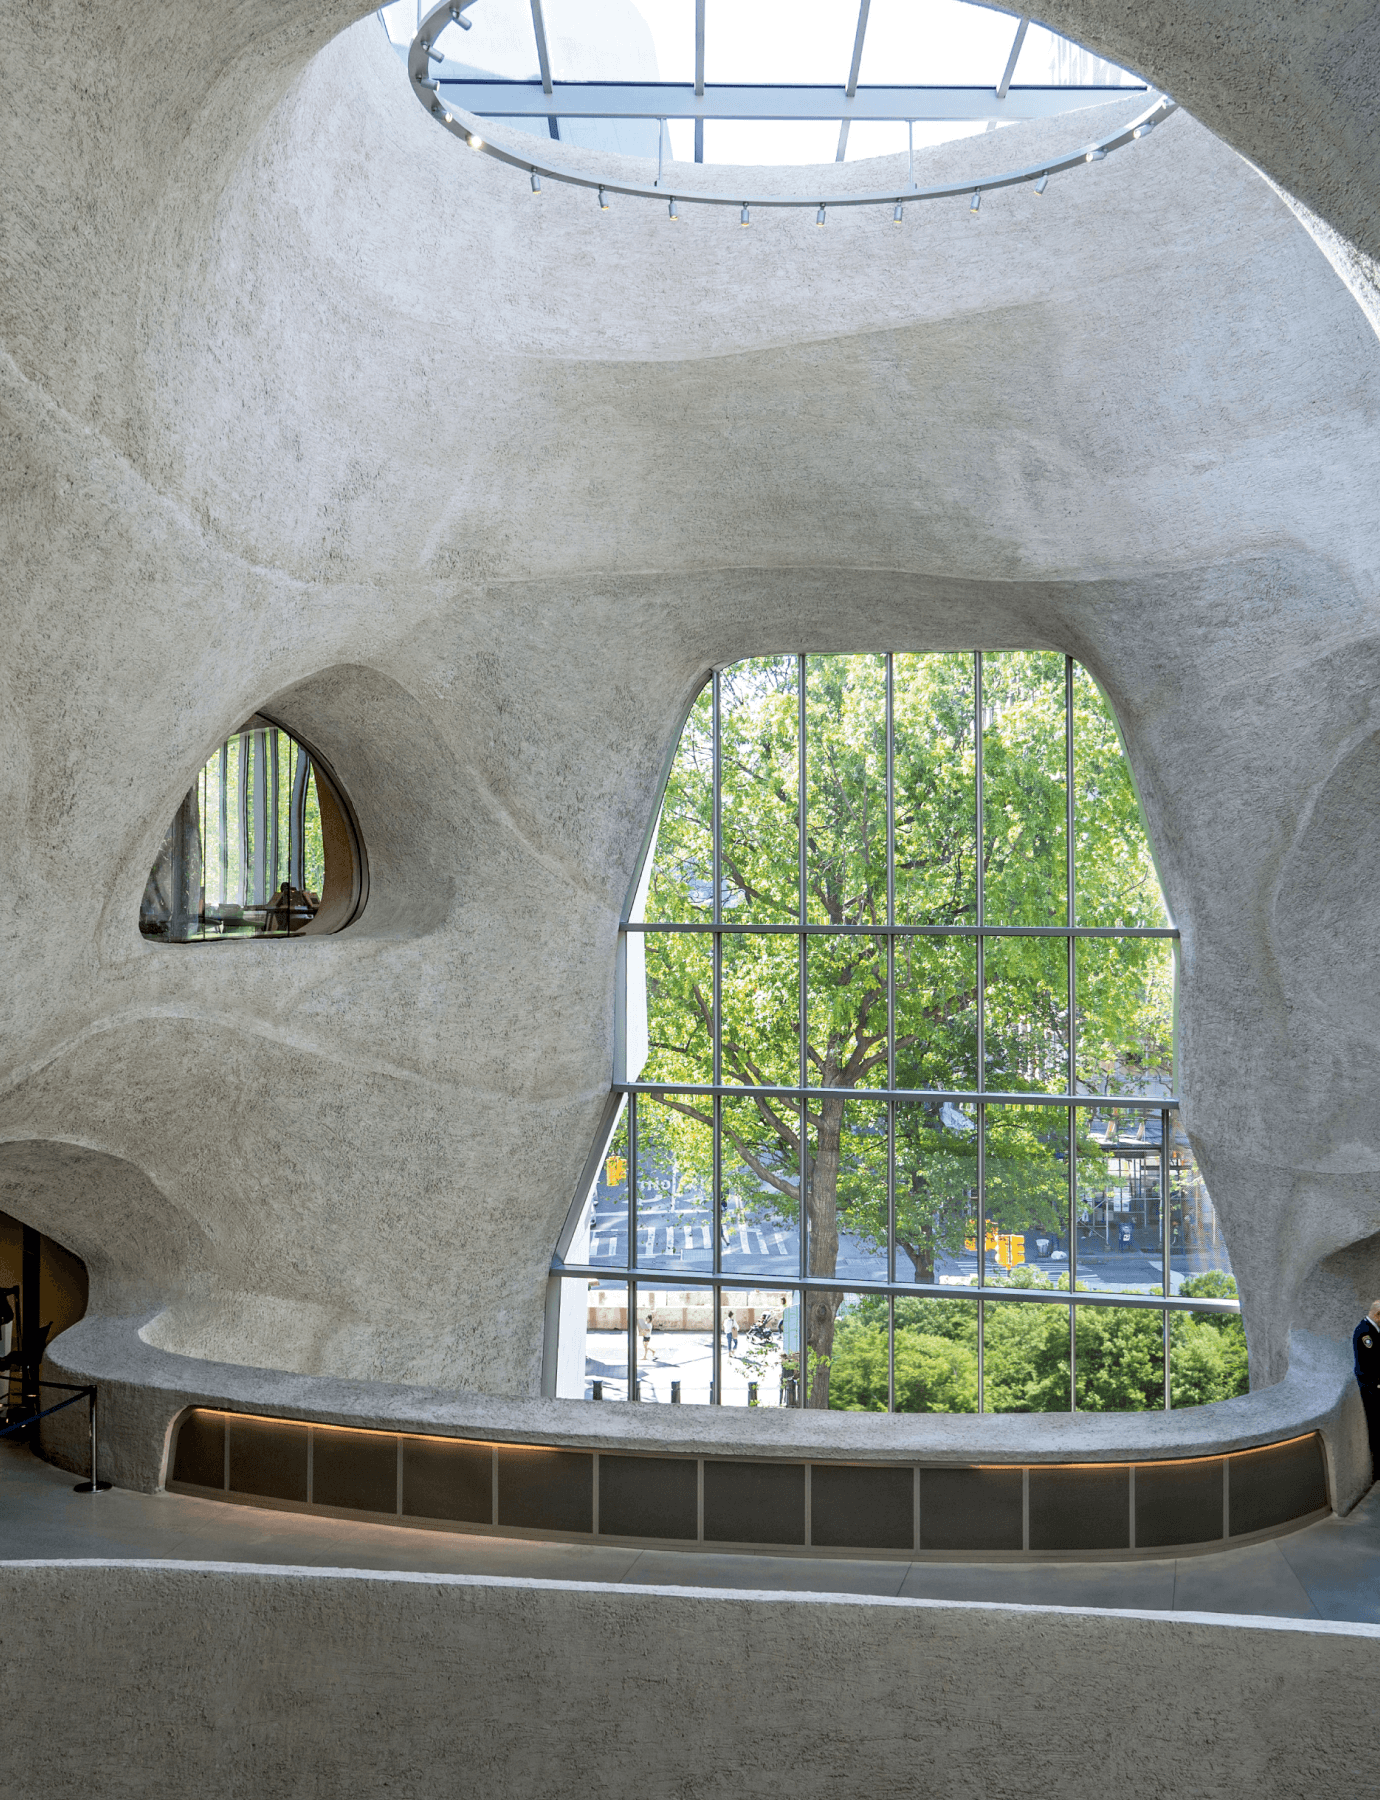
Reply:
x=786, y=929
x=674, y=1280
x=968, y=1097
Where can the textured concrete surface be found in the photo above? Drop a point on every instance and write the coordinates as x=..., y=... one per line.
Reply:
x=306, y=412
x=284, y=1681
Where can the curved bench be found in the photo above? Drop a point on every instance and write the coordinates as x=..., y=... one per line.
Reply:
x=892, y=1509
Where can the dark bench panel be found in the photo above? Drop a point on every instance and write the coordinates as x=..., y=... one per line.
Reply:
x=354, y=1468
x=754, y=1503
x=853, y=1507
x=448, y=1478
x=971, y=1509
x=545, y=1490
x=268, y=1458
x=648, y=1496
x=1272, y=1485
x=1179, y=1502
x=1082, y=1507
x=200, y=1454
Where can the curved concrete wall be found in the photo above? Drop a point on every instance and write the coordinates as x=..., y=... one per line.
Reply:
x=266, y=1682
x=307, y=411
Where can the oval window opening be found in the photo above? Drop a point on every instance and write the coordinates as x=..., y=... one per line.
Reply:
x=264, y=845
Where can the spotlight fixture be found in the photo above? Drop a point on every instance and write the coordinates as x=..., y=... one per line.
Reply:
x=1144, y=130
x=819, y=216
x=976, y=200
x=449, y=119
x=475, y=141
x=603, y=203
x=1042, y=183
x=536, y=182
x=457, y=17
x=744, y=217
x=898, y=214
x=1095, y=155
x=672, y=214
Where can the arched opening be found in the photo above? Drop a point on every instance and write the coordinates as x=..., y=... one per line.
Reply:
x=263, y=845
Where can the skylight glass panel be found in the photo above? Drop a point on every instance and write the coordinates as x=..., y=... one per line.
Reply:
x=771, y=41
x=940, y=43
x=598, y=40
x=672, y=25
x=781, y=141
x=501, y=42
x=887, y=137
x=1047, y=60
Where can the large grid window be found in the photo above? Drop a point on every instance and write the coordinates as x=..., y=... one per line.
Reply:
x=895, y=1119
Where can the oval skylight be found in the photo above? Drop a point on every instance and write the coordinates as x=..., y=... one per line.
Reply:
x=756, y=81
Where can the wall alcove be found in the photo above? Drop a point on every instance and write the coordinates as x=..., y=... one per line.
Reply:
x=263, y=845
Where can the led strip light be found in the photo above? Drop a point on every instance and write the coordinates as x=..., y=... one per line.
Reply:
x=468, y=130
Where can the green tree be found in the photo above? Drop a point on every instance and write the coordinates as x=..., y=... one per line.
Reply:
x=827, y=1159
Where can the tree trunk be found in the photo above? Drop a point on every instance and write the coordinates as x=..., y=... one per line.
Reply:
x=822, y=1211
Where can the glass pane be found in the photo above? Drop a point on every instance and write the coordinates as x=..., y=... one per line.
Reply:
x=1197, y=1248
x=846, y=1011
x=760, y=785
x=598, y=40
x=1120, y=1359
x=1125, y=1015
x=604, y=1235
x=1047, y=60
x=672, y=25
x=675, y=1345
x=1023, y=793
x=936, y=1013
x=1026, y=992
x=1026, y=1170
x=675, y=1174
x=1025, y=1356
x=500, y=42
x=936, y=1356
x=750, y=1321
x=823, y=1311
x=859, y=1373
x=1119, y=1242
x=848, y=1189
x=761, y=1008
x=939, y=42
x=845, y=724
x=807, y=41
x=680, y=1005
x=760, y=1164
x=1116, y=879
x=682, y=884
x=936, y=799
x=1207, y=1357
x=936, y=1193
x=605, y=1339
x=779, y=142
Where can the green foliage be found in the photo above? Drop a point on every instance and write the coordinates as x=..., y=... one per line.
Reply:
x=933, y=1374
x=1207, y=1356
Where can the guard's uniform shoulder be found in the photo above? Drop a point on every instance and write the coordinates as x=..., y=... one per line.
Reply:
x=1365, y=1345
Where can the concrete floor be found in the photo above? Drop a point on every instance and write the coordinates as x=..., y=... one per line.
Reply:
x=1330, y=1570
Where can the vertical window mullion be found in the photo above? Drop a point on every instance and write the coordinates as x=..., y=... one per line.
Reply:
x=890, y=978
x=1165, y=1142
x=806, y=1169
x=1072, y=1016
x=717, y=981
x=632, y=1245
x=981, y=1110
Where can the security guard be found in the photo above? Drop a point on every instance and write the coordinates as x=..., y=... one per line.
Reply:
x=1365, y=1348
